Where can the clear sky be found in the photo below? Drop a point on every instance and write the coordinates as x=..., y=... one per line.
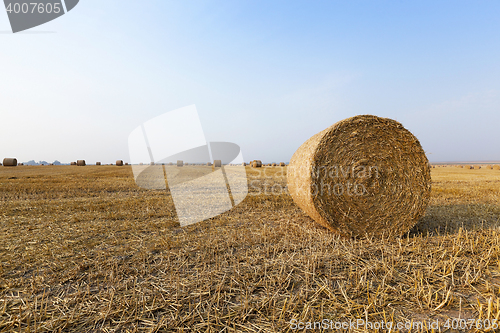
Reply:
x=266, y=75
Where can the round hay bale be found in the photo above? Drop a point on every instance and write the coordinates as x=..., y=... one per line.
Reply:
x=257, y=164
x=180, y=163
x=80, y=163
x=73, y=163
x=209, y=164
x=119, y=163
x=97, y=163
x=363, y=175
x=217, y=163
x=282, y=164
x=274, y=164
x=243, y=164
x=496, y=167
x=10, y=162
x=477, y=167
x=126, y=163
x=18, y=164
x=489, y=167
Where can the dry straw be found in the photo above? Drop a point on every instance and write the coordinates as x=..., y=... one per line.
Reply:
x=80, y=163
x=180, y=163
x=496, y=167
x=243, y=164
x=489, y=167
x=217, y=163
x=363, y=175
x=282, y=164
x=209, y=164
x=274, y=164
x=119, y=163
x=10, y=162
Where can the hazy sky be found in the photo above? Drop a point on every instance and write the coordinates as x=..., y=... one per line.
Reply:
x=266, y=75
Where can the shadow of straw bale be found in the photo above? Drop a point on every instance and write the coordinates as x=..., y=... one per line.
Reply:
x=448, y=219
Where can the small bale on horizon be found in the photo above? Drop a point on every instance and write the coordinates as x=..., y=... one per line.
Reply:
x=257, y=164
x=10, y=162
x=180, y=163
x=119, y=163
x=80, y=163
x=217, y=163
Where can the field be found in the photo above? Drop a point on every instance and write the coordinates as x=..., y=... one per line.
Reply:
x=84, y=249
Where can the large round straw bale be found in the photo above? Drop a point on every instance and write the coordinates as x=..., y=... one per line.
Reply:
x=73, y=163
x=18, y=164
x=180, y=163
x=496, y=167
x=489, y=167
x=97, y=163
x=274, y=164
x=80, y=162
x=119, y=163
x=257, y=164
x=217, y=163
x=10, y=162
x=282, y=164
x=364, y=175
x=477, y=167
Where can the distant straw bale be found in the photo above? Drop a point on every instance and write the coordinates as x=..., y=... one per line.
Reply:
x=180, y=163
x=364, y=175
x=80, y=163
x=257, y=164
x=10, y=162
x=119, y=163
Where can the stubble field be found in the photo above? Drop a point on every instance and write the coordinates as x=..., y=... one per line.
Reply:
x=84, y=249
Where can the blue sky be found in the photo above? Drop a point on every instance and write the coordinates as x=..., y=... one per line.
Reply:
x=266, y=75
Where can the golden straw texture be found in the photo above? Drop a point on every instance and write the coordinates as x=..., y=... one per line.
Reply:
x=364, y=175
